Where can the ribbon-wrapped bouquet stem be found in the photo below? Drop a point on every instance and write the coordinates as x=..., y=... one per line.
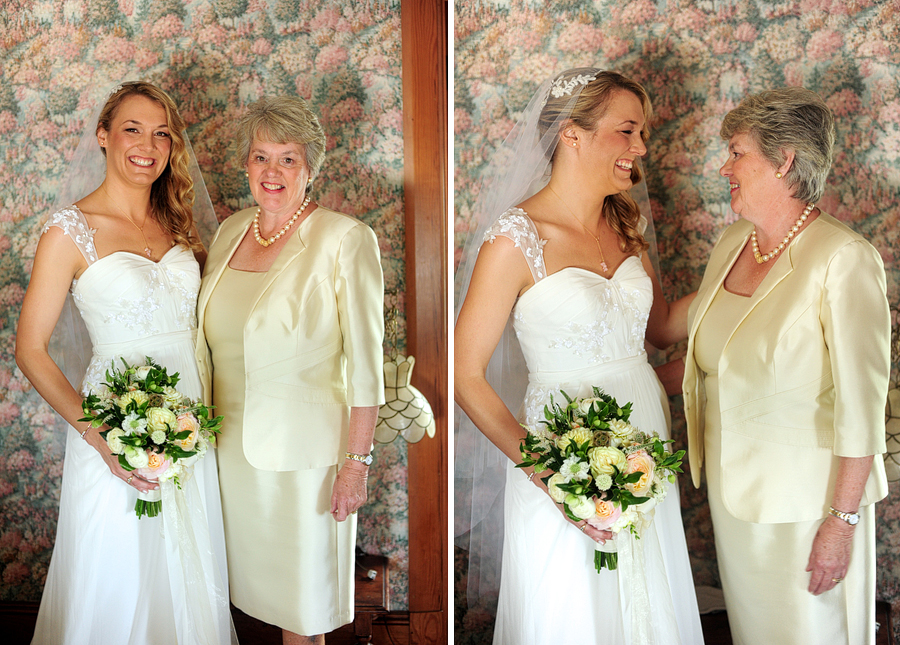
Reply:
x=157, y=432
x=604, y=470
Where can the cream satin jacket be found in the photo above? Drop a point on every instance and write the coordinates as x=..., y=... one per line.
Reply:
x=803, y=379
x=312, y=342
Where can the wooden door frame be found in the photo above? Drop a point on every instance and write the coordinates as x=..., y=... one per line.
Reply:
x=425, y=181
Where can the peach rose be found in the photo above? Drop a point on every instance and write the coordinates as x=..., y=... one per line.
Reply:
x=188, y=422
x=157, y=464
x=605, y=514
x=642, y=462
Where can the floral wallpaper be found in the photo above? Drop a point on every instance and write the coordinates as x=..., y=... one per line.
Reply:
x=697, y=61
x=214, y=57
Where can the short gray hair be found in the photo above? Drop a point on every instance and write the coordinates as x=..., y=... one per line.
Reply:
x=283, y=119
x=789, y=119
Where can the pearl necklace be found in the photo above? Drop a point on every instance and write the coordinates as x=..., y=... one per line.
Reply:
x=284, y=229
x=760, y=258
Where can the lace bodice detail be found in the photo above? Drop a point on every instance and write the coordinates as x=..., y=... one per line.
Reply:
x=127, y=300
x=574, y=318
x=517, y=226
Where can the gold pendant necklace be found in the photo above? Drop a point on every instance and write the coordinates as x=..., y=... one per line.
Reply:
x=761, y=258
x=147, y=251
x=264, y=242
x=587, y=230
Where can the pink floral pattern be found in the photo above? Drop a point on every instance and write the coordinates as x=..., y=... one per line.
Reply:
x=697, y=61
x=213, y=58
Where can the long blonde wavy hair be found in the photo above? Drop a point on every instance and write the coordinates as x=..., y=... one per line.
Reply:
x=172, y=194
x=620, y=210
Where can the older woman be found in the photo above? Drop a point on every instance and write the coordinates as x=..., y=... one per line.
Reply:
x=785, y=382
x=291, y=311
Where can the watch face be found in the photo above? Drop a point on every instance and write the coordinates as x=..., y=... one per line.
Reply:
x=852, y=518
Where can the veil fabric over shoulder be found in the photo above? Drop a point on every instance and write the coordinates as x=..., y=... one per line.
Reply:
x=70, y=345
x=519, y=168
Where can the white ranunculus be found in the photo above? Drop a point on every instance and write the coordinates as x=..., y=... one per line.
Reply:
x=559, y=496
x=136, y=457
x=580, y=506
x=114, y=441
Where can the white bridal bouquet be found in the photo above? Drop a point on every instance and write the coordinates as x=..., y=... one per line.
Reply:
x=605, y=470
x=157, y=432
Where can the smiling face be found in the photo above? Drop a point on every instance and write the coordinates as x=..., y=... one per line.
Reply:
x=611, y=148
x=278, y=176
x=751, y=177
x=138, y=142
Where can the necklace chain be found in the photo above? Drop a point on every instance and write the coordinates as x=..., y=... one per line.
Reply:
x=603, y=264
x=762, y=258
x=264, y=242
x=147, y=251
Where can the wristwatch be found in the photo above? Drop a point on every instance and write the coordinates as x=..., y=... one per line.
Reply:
x=850, y=518
x=363, y=459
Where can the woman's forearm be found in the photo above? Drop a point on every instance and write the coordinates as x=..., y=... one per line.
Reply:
x=490, y=415
x=362, y=429
x=853, y=472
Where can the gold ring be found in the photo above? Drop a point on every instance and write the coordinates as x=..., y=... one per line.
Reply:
x=582, y=527
x=353, y=513
x=128, y=481
x=836, y=579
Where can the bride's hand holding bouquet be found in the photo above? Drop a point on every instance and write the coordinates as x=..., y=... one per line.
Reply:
x=605, y=472
x=151, y=429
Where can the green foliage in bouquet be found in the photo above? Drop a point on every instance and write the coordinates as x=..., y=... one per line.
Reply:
x=151, y=426
x=586, y=447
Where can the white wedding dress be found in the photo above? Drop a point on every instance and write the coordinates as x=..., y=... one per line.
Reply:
x=577, y=329
x=113, y=578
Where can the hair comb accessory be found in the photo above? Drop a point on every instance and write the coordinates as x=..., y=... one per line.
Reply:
x=561, y=87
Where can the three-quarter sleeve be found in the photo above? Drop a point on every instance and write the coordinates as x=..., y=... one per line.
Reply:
x=359, y=287
x=856, y=322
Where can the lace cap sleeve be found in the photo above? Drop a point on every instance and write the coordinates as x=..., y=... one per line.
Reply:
x=517, y=226
x=71, y=220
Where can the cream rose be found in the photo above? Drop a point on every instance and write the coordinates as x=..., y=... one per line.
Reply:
x=559, y=496
x=141, y=372
x=580, y=506
x=114, y=440
x=172, y=397
x=605, y=459
x=137, y=396
x=621, y=430
x=188, y=422
x=161, y=419
x=578, y=436
x=641, y=462
x=136, y=457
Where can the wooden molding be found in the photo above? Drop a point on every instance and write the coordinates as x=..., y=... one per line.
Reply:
x=424, y=38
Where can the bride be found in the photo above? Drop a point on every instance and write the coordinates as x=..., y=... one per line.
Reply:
x=128, y=254
x=562, y=263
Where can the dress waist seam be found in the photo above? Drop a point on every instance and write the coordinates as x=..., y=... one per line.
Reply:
x=592, y=371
